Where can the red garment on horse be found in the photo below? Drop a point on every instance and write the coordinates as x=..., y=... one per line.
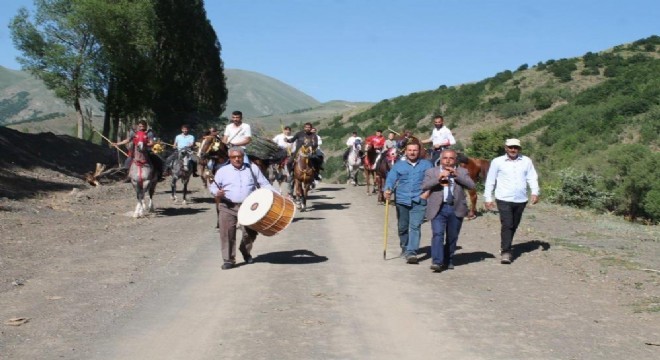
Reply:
x=376, y=141
x=140, y=136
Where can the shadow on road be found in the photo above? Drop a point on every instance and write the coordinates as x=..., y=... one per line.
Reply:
x=204, y=200
x=328, y=189
x=324, y=197
x=306, y=218
x=328, y=206
x=172, y=211
x=518, y=249
x=471, y=257
x=295, y=257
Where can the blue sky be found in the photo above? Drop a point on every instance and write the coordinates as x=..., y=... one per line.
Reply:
x=370, y=50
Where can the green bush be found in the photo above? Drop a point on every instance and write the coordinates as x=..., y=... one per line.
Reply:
x=579, y=189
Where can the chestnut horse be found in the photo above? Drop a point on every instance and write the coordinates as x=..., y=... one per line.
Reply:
x=303, y=174
x=389, y=157
x=477, y=169
x=212, y=155
x=369, y=160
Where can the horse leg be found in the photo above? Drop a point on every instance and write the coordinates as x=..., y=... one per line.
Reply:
x=173, y=187
x=152, y=190
x=139, y=209
x=473, y=204
x=185, y=191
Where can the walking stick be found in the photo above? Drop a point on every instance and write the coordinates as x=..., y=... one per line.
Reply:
x=108, y=140
x=387, y=218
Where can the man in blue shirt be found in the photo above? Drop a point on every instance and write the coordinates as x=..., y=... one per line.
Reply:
x=232, y=184
x=405, y=180
x=510, y=175
x=181, y=141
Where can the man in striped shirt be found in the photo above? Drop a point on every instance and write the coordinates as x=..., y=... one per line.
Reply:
x=510, y=175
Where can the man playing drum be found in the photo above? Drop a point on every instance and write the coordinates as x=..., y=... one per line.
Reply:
x=232, y=184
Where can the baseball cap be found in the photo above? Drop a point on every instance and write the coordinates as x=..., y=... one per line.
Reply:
x=512, y=142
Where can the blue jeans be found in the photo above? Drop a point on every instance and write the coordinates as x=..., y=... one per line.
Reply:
x=410, y=223
x=447, y=225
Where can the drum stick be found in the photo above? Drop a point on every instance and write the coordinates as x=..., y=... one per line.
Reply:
x=393, y=131
x=111, y=143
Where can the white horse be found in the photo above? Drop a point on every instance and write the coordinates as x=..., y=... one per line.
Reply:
x=354, y=162
x=144, y=179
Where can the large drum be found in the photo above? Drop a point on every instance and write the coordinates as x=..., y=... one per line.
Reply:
x=266, y=212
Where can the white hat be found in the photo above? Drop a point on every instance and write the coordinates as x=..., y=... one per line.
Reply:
x=512, y=142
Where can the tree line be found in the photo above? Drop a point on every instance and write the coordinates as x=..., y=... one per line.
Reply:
x=141, y=59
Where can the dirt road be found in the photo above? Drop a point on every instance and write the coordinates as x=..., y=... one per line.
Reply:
x=105, y=286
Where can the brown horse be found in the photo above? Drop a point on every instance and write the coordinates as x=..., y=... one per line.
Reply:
x=370, y=155
x=303, y=174
x=213, y=151
x=389, y=157
x=477, y=169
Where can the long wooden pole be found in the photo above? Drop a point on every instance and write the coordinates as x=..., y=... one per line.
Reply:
x=387, y=218
x=111, y=143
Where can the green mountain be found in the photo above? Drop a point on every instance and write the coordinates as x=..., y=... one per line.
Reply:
x=591, y=124
x=27, y=105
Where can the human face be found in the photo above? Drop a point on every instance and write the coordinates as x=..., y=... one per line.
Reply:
x=185, y=130
x=438, y=123
x=448, y=159
x=236, y=119
x=287, y=132
x=213, y=131
x=141, y=127
x=236, y=159
x=412, y=152
x=390, y=136
x=307, y=128
x=378, y=133
x=512, y=151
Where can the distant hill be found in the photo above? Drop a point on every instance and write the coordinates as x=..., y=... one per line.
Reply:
x=27, y=105
x=258, y=95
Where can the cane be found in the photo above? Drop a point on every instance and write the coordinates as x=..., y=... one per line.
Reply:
x=387, y=218
x=108, y=140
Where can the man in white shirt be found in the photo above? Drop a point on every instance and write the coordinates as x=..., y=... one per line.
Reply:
x=441, y=137
x=237, y=133
x=349, y=143
x=281, y=139
x=510, y=175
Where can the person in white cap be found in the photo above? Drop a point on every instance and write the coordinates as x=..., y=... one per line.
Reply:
x=509, y=175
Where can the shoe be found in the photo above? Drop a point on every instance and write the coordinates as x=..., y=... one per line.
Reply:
x=161, y=179
x=412, y=259
x=436, y=267
x=227, y=266
x=249, y=260
x=506, y=258
x=450, y=266
x=195, y=175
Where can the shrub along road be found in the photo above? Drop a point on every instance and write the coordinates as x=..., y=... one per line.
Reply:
x=100, y=285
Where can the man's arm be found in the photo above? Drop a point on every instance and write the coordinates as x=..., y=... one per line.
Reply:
x=533, y=182
x=491, y=179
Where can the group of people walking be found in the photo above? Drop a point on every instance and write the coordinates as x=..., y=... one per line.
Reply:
x=433, y=189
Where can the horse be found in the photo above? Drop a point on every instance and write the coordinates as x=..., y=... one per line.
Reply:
x=389, y=157
x=144, y=179
x=369, y=159
x=181, y=171
x=477, y=169
x=353, y=162
x=303, y=174
x=278, y=171
x=212, y=154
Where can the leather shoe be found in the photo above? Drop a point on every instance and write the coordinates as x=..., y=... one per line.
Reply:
x=227, y=266
x=506, y=258
x=436, y=267
x=249, y=260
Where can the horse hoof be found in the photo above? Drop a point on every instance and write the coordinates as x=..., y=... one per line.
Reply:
x=184, y=202
x=472, y=217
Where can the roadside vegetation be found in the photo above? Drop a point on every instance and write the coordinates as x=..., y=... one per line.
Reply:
x=590, y=123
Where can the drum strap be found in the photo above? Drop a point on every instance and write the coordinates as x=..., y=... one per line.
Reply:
x=254, y=177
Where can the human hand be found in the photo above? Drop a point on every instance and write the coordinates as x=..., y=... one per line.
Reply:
x=535, y=199
x=387, y=194
x=489, y=205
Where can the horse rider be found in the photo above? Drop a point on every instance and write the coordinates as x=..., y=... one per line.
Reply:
x=133, y=137
x=390, y=142
x=319, y=155
x=377, y=141
x=299, y=139
x=349, y=144
x=231, y=186
x=182, y=141
x=441, y=138
x=280, y=139
x=238, y=133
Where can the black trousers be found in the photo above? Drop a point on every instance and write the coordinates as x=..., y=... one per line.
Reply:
x=510, y=215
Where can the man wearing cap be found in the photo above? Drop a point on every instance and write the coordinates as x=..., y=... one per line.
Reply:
x=510, y=175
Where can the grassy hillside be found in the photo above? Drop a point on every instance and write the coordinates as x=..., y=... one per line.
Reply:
x=578, y=119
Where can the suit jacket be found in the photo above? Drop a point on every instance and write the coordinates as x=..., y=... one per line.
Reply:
x=434, y=202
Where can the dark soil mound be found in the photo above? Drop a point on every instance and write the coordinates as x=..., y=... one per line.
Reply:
x=34, y=163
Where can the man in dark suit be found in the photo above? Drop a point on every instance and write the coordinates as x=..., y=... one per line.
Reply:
x=446, y=207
